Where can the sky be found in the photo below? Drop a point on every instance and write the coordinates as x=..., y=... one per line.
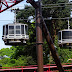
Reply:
x=70, y=0
x=8, y=17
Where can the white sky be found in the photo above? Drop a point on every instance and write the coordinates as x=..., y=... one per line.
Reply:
x=7, y=15
x=70, y=0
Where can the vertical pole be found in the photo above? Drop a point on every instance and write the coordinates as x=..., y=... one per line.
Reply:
x=49, y=67
x=14, y=10
x=47, y=70
x=15, y=16
x=22, y=69
x=39, y=38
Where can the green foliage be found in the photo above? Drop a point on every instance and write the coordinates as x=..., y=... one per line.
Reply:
x=4, y=61
x=21, y=61
x=46, y=52
x=6, y=51
x=64, y=53
x=55, y=12
x=24, y=14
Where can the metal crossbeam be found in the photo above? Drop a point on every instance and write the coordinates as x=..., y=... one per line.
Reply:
x=6, y=4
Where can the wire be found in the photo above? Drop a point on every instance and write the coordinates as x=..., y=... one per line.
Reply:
x=48, y=7
x=20, y=9
x=50, y=18
x=6, y=20
x=58, y=4
x=18, y=6
x=42, y=7
x=13, y=20
x=57, y=18
x=56, y=7
x=22, y=19
x=53, y=7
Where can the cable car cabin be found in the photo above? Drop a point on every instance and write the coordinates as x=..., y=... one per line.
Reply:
x=65, y=38
x=15, y=34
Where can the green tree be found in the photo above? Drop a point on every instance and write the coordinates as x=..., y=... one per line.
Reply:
x=6, y=51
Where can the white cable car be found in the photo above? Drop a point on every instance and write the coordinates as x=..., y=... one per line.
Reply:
x=65, y=37
x=70, y=1
x=15, y=33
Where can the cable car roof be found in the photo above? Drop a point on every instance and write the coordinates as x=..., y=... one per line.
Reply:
x=66, y=30
x=15, y=24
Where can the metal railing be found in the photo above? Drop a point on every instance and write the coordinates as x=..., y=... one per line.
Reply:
x=33, y=68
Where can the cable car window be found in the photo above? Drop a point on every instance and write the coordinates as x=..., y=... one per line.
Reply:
x=17, y=27
x=17, y=31
x=6, y=29
x=59, y=35
x=67, y=35
x=11, y=29
x=26, y=29
x=22, y=29
x=3, y=30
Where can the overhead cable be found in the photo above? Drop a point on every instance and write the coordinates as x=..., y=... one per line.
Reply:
x=58, y=4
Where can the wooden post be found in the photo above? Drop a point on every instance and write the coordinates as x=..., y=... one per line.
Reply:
x=39, y=39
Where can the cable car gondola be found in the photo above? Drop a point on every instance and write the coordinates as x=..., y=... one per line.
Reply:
x=15, y=33
x=65, y=37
